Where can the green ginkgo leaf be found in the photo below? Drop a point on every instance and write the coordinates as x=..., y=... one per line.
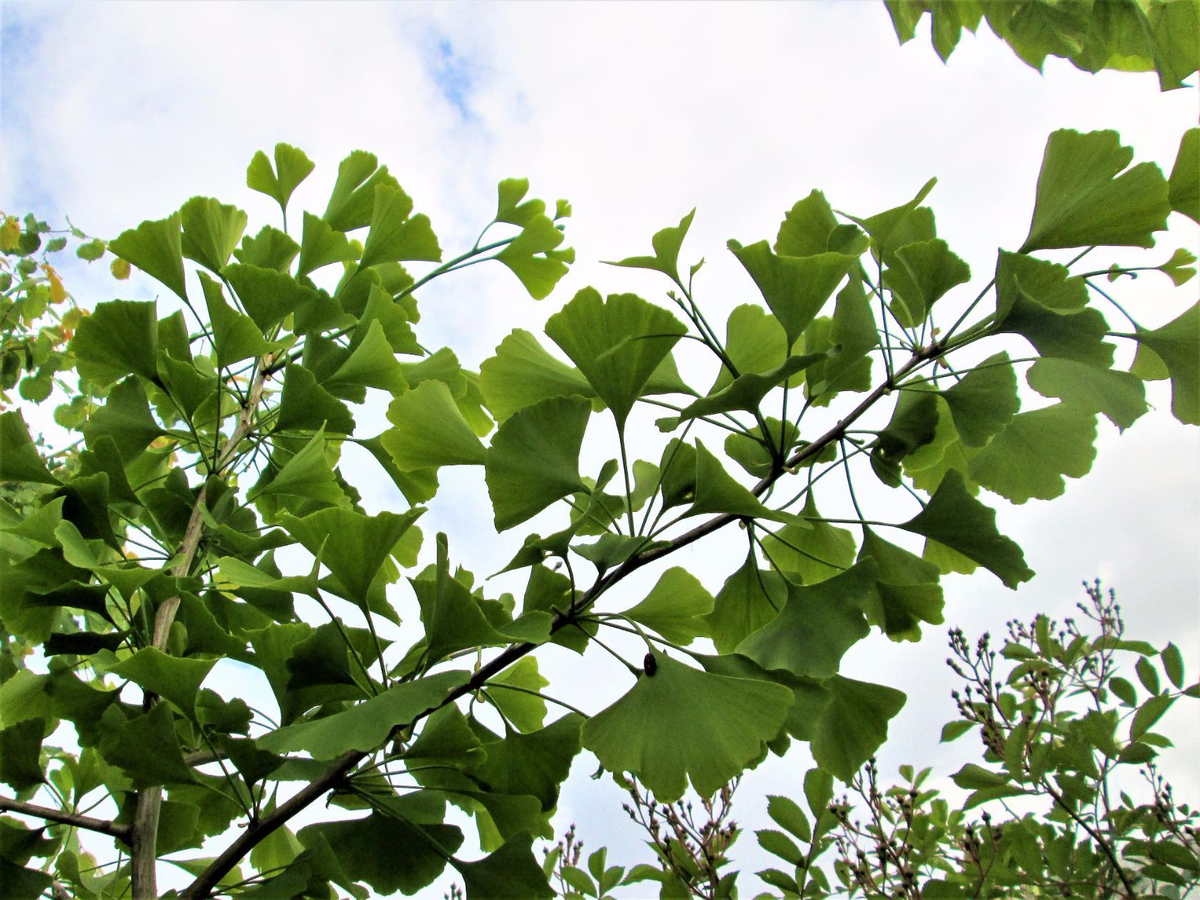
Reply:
x=126, y=419
x=853, y=724
x=795, y=288
x=322, y=246
x=510, y=209
x=681, y=723
x=1085, y=198
x=928, y=271
x=372, y=363
x=1016, y=463
x=666, y=245
x=156, y=248
x=291, y=168
x=305, y=405
x=984, y=401
x=307, y=474
x=394, y=234
x=617, y=343
x=19, y=458
x=211, y=230
x=119, y=338
x=717, y=491
x=354, y=547
x=812, y=548
x=1121, y=396
x=744, y=392
x=267, y=296
x=511, y=692
x=430, y=431
x=510, y=873
x=235, y=336
x=817, y=625
x=957, y=520
x=534, y=259
x=365, y=726
x=908, y=589
x=749, y=599
x=523, y=373
x=534, y=458
x=1184, y=185
x=754, y=343
x=806, y=227
x=1177, y=345
x=168, y=676
x=676, y=607
x=353, y=199
x=269, y=249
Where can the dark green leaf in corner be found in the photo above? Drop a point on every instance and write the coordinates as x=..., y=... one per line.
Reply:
x=1177, y=344
x=1184, y=185
x=19, y=458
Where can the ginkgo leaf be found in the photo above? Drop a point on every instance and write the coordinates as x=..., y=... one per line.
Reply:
x=813, y=549
x=1017, y=464
x=817, y=625
x=1177, y=345
x=908, y=589
x=900, y=225
x=509, y=208
x=291, y=168
x=744, y=392
x=307, y=474
x=126, y=419
x=795, y=288
x=510, y=873
x=682, y=723
x=119, y=338
x=19, y=458
x=534, y=458
x=1121, y=396
x=534, y=259
x=168, y=676
x=806, y=227
x=666, y=245
x=269, y=249
x=394, y=234
x=352, y=546
x=1184, y=185
x=984, y=400
x=156, y=248
x=235, y=336
x=749, y=599
x=366, y=725
x=322, y=246
x=352, y=202
x=305, y=405
x=211, y=231
x=853, y=724
x=930, y=270
x=430, y=431
x=1084, y=197
x=616, y=343
x=268, y=296
x=956, y=519
x=676, y=607
x=717, y=491
x=754, y=343
x=510, y=691
x=372, y=363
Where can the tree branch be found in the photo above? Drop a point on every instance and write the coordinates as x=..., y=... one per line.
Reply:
x=201, y=888
x=103, y=826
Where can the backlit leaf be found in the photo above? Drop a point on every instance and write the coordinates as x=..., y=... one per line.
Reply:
x=211, y=230
x=853, y=725
x=291, y=168
x=430, y=431
x=322, y=246
x=675, y=608
x=168, y=676
x=155, y=248
x=119, y=338
x=19, y=458
x=1177, y=344
x=1184, y=185
x=666, y=245
x=1121, y=396
x=683, y=723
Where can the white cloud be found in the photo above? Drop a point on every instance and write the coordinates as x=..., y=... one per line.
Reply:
x=118, y=112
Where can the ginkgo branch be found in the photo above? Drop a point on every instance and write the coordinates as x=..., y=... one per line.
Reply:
x=103, y=826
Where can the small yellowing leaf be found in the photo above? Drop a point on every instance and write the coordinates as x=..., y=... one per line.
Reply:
x=10, y=233
x=120, y=269
x=58, y=293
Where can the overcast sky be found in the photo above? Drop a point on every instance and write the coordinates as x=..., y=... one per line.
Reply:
x=114, y=113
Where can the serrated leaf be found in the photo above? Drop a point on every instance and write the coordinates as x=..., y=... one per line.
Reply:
x=617, y=343
x=119, y=338
x=211, y=230
x=683, y=723
x=156, y=248
x=1018, y=464
x=675, y=607
x=534, y=458
x=291, y=168
x=365, y=726
x=957, y=520
x=1083, y=199
x=430, y=431
x=795, y=288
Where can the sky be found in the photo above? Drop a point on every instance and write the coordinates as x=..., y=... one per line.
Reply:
x=113, y=113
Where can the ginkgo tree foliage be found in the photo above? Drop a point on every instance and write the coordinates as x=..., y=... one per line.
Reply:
x=214, y=464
